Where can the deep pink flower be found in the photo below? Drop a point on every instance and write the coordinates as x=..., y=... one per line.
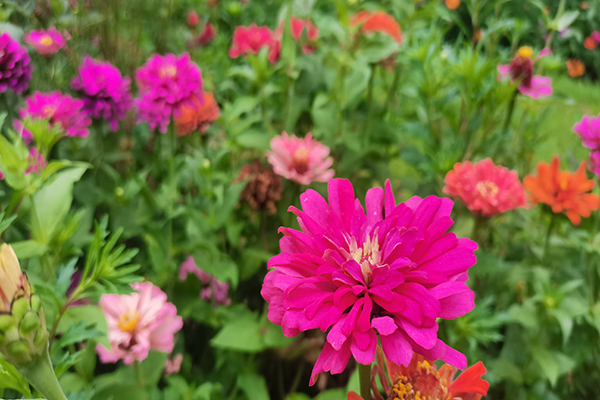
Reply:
x=297, y=27
x=137, y=323
x=486, y=189
x=302, y=160
x=596, y=36
x=208, y=34
x=251, y=39
x=193, y=19
x=37, y=162
x=213, y=290
x=588, y=130
x=521, y=70
x=15, y=65
x=392, y=270
x=61, y=109
x=166, y=83
x=46, y=42
x=595, y=162
x=104, y=91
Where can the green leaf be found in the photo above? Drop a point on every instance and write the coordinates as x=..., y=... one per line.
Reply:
x=254, y=139
x=92, y=315
x=152, y=368
x=78, y=332
x=332, y=394
x=241, y=335
x=566, y=20
x=10, y=378
x=230, y=200
x=254, y=386
x=242, y=105
x=547, y=364
x=29, y=248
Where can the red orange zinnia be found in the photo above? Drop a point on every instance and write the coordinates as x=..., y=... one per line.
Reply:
x=486, y=189
x=564, y=191
x=197, y=116
x=452, y=4
x=377, y=21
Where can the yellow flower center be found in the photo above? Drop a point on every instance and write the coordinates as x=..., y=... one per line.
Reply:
x=168, y=70
x=487, y=189
x=366, y=256
x=525, y=52
x=300, y=155
x=402, y=389
x=46, y=40
x=48, y=111
x=128, y=321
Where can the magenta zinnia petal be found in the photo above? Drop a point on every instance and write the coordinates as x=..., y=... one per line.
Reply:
x=47, y=42
x=588, y=130
x=15, y=65
x=388, y=269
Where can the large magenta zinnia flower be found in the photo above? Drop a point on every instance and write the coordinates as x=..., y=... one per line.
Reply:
x=392, y=270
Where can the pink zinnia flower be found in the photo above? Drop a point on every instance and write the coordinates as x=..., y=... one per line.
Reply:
x=486, y=189
x=207, y=35
x=595, y=162
x=137, y=323
x=15, y=65
x=520, y=70
x=166, y=83
x=61, y=109
x=302, y=160
x=105, y=92
x=588, y=130
x=392, y=270
x=252, y=39
x=596, y=36
x=213, y=290
x=297, y=27
x=46, y=42
x=173, y=364
x=37, y=162
x=192, y=19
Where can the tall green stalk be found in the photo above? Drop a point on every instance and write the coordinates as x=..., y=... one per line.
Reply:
x=364, y=376
x=40, y=374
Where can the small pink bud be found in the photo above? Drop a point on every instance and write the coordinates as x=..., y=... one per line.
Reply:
x=192, y=19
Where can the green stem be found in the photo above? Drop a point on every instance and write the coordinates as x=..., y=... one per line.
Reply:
x=139, y=376
x=548, y=234
x=510, y=110
x=172, y=188
x=559, y=13
x=40, y=374
x=370, y=101
x=265, y=112
x=297, y=378
x=364, y=375
x=392, y=92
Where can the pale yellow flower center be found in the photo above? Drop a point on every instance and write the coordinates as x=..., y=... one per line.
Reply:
x=525, y=52
x=168, y=70
x=366, y=256
x=48, y=111
x=10, y=277
x=46, y=40
x=300, y=155
x=129, y=320
x=487, y=189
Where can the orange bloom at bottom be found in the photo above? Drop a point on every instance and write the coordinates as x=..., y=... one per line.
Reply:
x=564, y=191
x=197, y=116
x=575, y=67
x=422, y=381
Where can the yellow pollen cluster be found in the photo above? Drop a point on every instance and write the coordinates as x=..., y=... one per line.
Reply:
x=129, y=320
x=46, y=40
x=367, y=256
x=300, y=155
x=402, y=390
x=487, y=189
x=525, y=52
x=48, y=111
x=168, y=70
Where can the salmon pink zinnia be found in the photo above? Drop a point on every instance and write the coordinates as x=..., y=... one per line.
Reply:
x=378, y=21
x=520, y=70
x=302, y=160
x=252, y=39
x=588, y=130
x=486, y=189
x=47, y=42
x=392, y=270
x=137, y=323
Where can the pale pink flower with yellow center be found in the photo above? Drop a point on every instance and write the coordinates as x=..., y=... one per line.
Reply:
x=302, y=160
x=520, y=70
x=46, y=42
x=137, y=323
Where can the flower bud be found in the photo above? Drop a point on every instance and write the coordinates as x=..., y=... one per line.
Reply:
x=192, y=19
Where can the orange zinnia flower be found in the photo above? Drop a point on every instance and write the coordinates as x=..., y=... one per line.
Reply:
x=452, y=4
x=575, y=68
x=197, y=116
x=589, y=43
x=378, y=21
x=566, y=192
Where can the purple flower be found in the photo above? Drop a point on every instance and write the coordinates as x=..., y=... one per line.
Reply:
x=595, y=162
x=47, y=43
x=61, y=109
x=588, y=130
x=15, y=65
x=104, y=91
x=166, y=83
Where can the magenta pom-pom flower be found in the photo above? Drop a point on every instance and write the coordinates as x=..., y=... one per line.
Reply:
x=46, y=42
x=15, y=65
x=588, y=130
x=37, y=162
x=61, y=109
x=104, y=91
x=252, y=39
x=166, y=83
x=595, y=162
x=302, y=160
x=520, y=70
x=137, y=323
x=486, y=189
x=391, y=271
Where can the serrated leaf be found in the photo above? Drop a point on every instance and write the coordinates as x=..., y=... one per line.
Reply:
x=77, y=333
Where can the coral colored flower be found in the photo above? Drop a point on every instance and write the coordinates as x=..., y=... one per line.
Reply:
x=564, y=191
x=197, y=116
x=166, y=84
x=302, y=160
x=15, y=65
x=264, y=187
x=423, y=378
x=575, y=68
x=377, y=21
x=192, y=19
x=207, y=35
x=173, y=364
x=252, y=39
x=392, y=270
x=104, y=91
x=588, y=130
x=297, y=27
x=596, y=36
x=589, y=43
x=521, y=70
x=213, y=290
x=37, y=162
x=486, y=189
x=595, y=162
x=46, y=42
x=452, y=4
x=61, y=109
x=137, y=323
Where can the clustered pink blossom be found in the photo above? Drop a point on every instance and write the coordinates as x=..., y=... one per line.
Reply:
x=302, y=160
x=137, y=323
x=15, y=65
x=61, y=110
x=46, y=42
x=166, y=83
x=213, y=290
x=252, y=39
x=192, y=19
x=391, y=271
x=520, y=70
x=104, y=91
x=37, y=162
x=588, y=130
